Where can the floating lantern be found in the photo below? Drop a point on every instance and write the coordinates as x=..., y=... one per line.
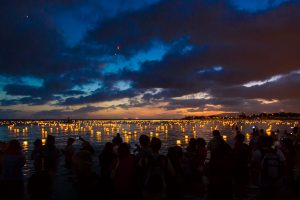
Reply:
x=248, y=136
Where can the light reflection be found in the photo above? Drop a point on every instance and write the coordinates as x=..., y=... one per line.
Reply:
x=25, y=143
x=179, y=131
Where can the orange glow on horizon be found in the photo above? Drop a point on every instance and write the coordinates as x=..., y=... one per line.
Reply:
x=147, y=112
x=151, y=113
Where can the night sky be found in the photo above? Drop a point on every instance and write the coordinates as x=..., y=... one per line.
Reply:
x=148, y=58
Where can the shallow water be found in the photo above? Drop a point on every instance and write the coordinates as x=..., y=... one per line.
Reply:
x=98, y=132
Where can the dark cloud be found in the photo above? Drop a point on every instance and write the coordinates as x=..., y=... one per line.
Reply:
x=30, y=44
x=53, y=89
x=23, y=90
x=11, y=114
x=11, y=102
x=100, y=95
x=212, y=47
x=249, y=46
x=82, y=112
x=88, y=109
x=241, y=42
x=284, y=88
x=73, y=92
x=230, y=105
x=223, y=41
x=137, y=103
x=274, y=96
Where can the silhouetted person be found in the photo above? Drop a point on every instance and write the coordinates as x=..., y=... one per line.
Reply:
x=106, y=159
x=116, y=141
x=85, y=145
x=262, y=132
x=289, y=152
x=175, y=184
x=191, y=165
x=124, y=173
x=144, y=148
x=87, y=182
x=270, y=164
x=215, y=142
x=40, y=186
x=69, y=153
x=2, y=150
x=201, y=151
x=50, y=155
x=240, y=155
x=192, y=146
x=37, y=155
x=158, y=170
x=12, y=183
x=220, y=168
x=142, y=157
x=201, y=166
x=254, y=141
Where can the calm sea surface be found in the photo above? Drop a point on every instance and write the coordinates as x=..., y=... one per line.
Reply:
x=98, y=132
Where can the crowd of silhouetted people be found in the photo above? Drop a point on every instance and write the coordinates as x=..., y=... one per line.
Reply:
x=209, y=170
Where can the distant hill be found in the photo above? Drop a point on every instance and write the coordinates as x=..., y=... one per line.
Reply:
x=280, y=115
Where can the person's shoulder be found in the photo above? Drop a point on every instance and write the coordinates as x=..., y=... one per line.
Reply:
x=225, y=146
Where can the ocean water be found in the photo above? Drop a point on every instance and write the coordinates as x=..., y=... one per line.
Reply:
x=98, y=132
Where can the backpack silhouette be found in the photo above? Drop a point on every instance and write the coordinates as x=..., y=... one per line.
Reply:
x=271, y=170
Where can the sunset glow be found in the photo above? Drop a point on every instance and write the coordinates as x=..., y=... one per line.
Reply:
x=148, y=58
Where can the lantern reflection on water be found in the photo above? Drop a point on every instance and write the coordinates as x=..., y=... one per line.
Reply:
x=169, y=131
x=25, y=143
